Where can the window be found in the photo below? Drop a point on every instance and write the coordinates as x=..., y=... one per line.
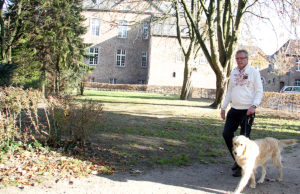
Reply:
x=297, y=82
x=146, y=31
x=97, y=1
x=128, y=8
x=122, y=29
x=121, y=55
x=181, y=10
x=141, y=82
x=144, y=59
x=288, y=89
x=112, y=80
x=94, y=56
x=298, y=65
x=95, y=27
x=149, y=9
x=270, y=68
x=203, y=60
x=179, y=56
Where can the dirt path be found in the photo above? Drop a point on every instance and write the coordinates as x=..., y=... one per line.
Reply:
x=198, y=178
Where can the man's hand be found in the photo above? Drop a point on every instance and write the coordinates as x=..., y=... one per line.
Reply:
x=223, y=114
x=251, y=110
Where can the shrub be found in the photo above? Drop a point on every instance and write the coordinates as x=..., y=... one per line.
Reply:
x=279, y=100
x=74, y=121
x=25, y=115
x=18, y=114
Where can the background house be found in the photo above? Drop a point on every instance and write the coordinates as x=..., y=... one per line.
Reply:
x=284, y=67
x=129, y=45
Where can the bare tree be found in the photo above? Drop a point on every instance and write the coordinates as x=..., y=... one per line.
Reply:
x=223, y=19
x=190, y=48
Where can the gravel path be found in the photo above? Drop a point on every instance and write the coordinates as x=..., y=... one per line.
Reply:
x=198, y=178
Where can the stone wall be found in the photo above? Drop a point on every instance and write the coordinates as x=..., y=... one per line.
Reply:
x=273, y=100
x=196, y=92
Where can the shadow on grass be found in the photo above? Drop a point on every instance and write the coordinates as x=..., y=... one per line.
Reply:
x=129, y=141
x=147, y=142
x=145, y=103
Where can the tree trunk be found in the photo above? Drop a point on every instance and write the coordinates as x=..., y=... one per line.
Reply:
x=57, y=77
x=43, y=80
x=186, y=86
x=9, y=54
x=81, y=88
x=220, y=91
x=2, y=32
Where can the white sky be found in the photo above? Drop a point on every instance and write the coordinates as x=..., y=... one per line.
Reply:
x=270, y=38
x=269, y=35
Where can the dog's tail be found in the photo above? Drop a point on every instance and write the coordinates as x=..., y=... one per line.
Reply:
x=286, y=142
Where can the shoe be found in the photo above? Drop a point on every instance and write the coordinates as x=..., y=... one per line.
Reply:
x=237, y=172
x=235, y=166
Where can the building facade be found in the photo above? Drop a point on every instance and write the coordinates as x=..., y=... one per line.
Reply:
x=127, y=47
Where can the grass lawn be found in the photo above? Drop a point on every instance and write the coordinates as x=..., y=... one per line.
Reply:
x=146, y=130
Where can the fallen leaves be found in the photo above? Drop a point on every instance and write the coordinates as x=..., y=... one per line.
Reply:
x=27, y=168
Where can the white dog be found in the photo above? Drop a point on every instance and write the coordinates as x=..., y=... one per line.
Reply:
x=251, y=154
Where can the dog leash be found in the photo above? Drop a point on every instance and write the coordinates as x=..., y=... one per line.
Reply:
x=247, y=121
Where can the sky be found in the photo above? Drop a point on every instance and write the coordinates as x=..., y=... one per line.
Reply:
x=269, y=34
x=271, y=38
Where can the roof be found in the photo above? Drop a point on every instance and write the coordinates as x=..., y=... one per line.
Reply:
x=290, y=48
x=252, y=50
x=142, y=6
x=157, y=9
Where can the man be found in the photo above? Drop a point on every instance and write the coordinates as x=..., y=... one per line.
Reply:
x=244, y=92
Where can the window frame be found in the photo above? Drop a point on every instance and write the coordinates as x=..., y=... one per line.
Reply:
x=97, y=1
x=298, y=65
x=144, y=62
x=120, y=57
x=113, y=80
x=145, y=35
x=122, y=29
x=95, y=58
x=95, y=28
x=141, y=82
x=179, y=56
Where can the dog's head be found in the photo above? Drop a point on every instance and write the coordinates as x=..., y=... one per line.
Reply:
x=239, y=145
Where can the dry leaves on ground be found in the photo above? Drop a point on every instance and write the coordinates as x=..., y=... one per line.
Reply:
x=26, y=168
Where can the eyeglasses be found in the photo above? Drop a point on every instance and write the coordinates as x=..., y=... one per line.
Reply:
x=241, y=58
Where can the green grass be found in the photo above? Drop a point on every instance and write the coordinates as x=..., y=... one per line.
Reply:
x=153, y=130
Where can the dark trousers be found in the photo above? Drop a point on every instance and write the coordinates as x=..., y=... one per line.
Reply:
x=234, y=119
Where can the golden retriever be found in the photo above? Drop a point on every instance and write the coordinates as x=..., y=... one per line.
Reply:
x=251, y=154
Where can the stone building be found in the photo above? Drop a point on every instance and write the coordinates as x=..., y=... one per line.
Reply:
x=284, y=67
x=128, y=47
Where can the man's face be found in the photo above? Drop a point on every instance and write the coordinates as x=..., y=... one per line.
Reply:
x=241, y=60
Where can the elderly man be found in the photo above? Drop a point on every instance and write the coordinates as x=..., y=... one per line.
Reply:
x=244, y=92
